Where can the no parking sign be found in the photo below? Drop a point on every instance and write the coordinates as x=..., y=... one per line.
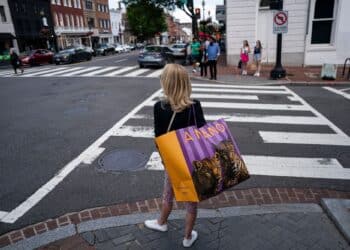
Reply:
x=280, y=22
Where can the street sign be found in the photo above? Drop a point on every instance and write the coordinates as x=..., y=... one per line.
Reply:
x=280, y=22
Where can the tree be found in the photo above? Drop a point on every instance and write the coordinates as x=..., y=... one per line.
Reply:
x=185, y=5
x=145, y=19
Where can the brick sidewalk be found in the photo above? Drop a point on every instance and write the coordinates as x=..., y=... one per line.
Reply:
x=251, y=196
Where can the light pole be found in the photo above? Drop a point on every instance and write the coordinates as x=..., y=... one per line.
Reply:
x=203, y=5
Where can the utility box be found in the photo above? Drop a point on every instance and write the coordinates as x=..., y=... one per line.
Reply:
x=329, y=71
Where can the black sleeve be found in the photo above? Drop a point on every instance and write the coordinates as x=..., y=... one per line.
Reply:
x=156, y=118
x=199, y=114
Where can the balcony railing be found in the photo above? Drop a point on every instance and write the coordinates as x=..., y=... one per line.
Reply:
x=70, y=29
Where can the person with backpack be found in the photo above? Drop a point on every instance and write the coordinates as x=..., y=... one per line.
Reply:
x=15, y=61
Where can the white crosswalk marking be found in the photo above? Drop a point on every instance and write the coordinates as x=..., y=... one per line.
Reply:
x=43, y=72
x=241, y=90
x=137, y=72
x=338, y=92
x=61, y=71
x=220, y=96
x=304, y=138
x=120, y=71
x=74, y=73
x=94, y=73
x=227, y=86
x=328, y=168
x=156, y=73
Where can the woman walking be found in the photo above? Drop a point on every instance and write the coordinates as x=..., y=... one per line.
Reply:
x=15, y=62
x=177, y=103
x=204, y=62
x=245, y=50
x=257, y=57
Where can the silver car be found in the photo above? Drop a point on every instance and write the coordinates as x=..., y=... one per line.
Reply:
x=179, y=50
x=155, y=55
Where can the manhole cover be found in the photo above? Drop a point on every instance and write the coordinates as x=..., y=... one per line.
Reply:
x=122, y=160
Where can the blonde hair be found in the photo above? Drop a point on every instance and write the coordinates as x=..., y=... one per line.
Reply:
x=176, y=85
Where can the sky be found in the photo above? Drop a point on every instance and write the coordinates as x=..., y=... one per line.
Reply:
x=179, y=14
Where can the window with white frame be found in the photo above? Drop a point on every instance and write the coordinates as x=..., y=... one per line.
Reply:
x=61, y=23
x=323, y=22
x=82, y=21
x=67, y=21
x=53, y=2
x=72, y=20
x=58, y=2
x=56, y=19
x=3, y=14
x=77, y=21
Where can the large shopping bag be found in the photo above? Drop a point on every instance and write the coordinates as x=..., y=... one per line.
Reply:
x=201, y=162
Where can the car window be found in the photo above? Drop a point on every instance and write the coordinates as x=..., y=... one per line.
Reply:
x=153, y=49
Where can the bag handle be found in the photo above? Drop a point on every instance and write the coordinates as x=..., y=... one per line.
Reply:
x=194, y=115
x=171, y=121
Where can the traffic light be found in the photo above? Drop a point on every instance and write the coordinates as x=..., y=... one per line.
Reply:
x=197, y=13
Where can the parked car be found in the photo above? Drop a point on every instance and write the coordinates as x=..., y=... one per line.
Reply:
x=131, y=46
x=105, y=49
x=72, y=55
x=126, y=47
x=118, y=48
x=37, y=57
x=179, y=50
x=139, y=46
x=155, y=55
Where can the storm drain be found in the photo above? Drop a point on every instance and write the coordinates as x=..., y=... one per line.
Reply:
x=122, y=160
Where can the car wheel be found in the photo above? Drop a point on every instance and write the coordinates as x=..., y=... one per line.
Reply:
x=31, y=62
x=141, y=65
x=89, y=58
x=57, y=63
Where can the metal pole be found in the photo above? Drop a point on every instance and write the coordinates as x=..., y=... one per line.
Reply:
x=278, y=71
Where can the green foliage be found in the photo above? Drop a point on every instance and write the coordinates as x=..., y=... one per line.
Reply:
x=145, y=19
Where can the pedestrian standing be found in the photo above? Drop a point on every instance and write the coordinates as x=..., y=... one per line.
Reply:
x=176, y=86
x=195, y=49
x=213, y=53
x=15, y=61
x=257, y=57
x=204, y=61
x=245, y=50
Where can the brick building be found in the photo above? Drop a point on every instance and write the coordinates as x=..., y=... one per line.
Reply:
x=103, y=22
x=70, y=26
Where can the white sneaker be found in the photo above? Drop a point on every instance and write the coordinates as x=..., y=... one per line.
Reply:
x=189, y=242
x=257, y=74
x=153, y=224
x=244, y=73
x=194, y=71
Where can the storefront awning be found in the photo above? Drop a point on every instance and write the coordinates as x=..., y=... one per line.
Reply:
x=4, y=36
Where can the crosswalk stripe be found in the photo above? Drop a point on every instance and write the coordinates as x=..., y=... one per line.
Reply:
x=61, y=71
x=256, y=118
x=220, y=96
x=237, y=86
x=271, y=119
x=43, y=72
x=304, y=138
x=100, y=71
x=256, y=106
x=135, y=131
x=211, y=90
x=156, y=73
x=137, y=72
x=328, y=168
x=120, y=71
x=3, y=214
x=81, y=71
x=338, y=92
x=26, y=70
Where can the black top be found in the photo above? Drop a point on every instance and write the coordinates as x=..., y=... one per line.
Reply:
x=162, y=115
x=14, y=58
x=257, y=50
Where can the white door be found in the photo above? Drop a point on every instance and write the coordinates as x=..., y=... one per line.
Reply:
x=266, y=36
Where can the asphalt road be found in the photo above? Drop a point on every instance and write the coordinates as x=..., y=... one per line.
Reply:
x=46, y=122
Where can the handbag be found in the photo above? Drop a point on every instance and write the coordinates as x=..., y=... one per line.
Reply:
x=201, y=162
x=244, y=57
x=239, y=64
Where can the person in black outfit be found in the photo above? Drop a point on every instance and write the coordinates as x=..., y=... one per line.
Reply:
x=15, y=62
x=176, y=85
x=204, y=62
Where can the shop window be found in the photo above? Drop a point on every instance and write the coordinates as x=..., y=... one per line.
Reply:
x=265, y=3
x=2, y=14
x=323, y=22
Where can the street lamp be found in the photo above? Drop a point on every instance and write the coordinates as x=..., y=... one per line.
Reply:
x=203, y=5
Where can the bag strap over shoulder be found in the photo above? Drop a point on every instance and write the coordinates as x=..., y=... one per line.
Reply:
x=171, y=121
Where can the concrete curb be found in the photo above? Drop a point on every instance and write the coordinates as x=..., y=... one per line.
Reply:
x=339, y=212
x=132, y=219
x=43, y=239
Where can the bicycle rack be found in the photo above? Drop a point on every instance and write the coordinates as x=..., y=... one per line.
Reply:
x=346, y=60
